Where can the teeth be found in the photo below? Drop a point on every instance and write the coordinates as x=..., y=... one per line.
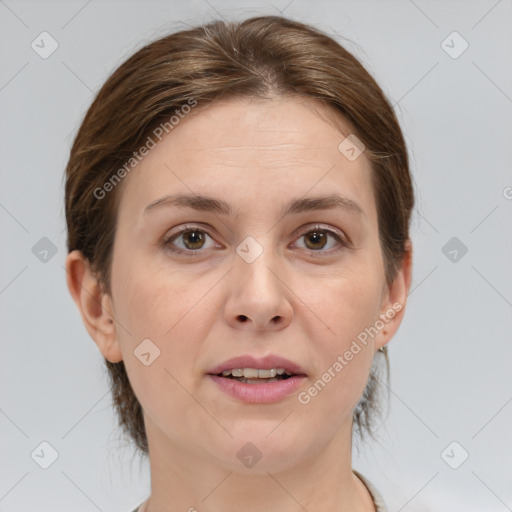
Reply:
x=266, y=374
x=255, y=381
x=253, y=373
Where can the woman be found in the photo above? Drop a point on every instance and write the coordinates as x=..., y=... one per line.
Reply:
x=238, y=201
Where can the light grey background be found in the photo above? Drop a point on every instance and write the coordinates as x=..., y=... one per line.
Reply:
x=451, y=360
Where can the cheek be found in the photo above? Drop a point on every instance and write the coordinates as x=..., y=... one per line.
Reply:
x=348, y=303
x=347, y=308
x=170, y=309
x=150, y=300
x=166, y=312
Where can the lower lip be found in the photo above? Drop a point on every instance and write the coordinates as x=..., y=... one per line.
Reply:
x=266, y=392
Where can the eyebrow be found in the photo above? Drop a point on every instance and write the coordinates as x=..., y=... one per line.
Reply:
x=210, y=204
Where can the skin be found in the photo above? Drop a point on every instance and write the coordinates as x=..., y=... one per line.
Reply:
x=303, y=301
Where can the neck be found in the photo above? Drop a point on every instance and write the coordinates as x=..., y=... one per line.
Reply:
x=184, y=480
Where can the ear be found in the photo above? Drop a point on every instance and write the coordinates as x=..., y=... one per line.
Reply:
x=394, y=300
x=95, y=306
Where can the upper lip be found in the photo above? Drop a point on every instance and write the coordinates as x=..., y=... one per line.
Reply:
x=264, y=363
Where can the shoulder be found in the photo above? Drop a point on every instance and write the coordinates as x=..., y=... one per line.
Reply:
x=142, y=506
x=378, y=501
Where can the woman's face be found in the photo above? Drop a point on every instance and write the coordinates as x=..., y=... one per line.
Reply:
x=252, y=282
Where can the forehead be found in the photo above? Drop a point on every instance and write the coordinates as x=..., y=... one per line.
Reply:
x=254, y=149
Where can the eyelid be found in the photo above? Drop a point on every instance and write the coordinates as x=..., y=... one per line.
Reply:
x=303, y=230
x=183, y=229
x=341, y=238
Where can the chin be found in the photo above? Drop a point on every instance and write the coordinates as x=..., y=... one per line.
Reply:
x=259, y=453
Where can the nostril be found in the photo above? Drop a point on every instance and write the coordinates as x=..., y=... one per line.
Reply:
x=243, y=318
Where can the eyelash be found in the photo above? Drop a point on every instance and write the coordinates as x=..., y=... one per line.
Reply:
x=190, y=252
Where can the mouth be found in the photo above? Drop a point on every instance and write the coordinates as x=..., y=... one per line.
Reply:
x=258, y=380
x=254, y=368
x=256, y=376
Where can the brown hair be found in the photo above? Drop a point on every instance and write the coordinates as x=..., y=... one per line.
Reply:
x=253, y=58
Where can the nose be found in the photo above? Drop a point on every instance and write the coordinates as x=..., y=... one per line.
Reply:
x=259, y=299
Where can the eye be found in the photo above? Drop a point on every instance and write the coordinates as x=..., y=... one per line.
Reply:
x=193, y=239
x=317, y=238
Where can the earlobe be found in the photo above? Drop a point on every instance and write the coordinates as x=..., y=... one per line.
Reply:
x=95, y=306
x=393, y=308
